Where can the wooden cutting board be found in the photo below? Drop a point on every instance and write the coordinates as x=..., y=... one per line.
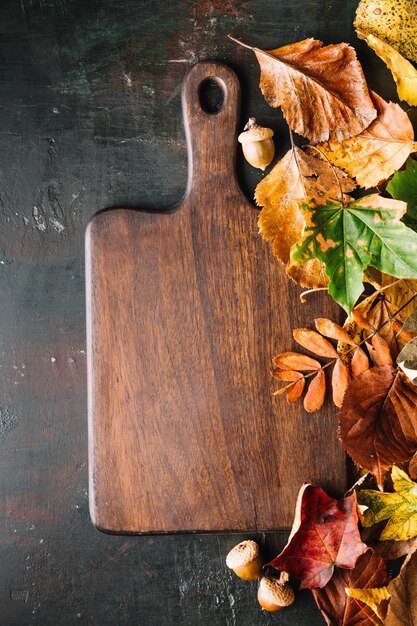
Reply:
x=185, y=310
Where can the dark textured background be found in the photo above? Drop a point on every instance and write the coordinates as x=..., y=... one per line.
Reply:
x=90, y=117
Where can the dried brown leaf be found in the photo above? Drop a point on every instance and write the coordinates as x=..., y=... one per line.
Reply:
x=402, y=610
x=322, y=90
x=337, y=608
x=378, y=420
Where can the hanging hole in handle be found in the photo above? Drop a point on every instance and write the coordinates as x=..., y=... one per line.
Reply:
x=212, y=96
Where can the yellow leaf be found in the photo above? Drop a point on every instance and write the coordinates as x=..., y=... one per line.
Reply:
x=405, y=74
x=378, y=151
x=393, y=21
x=376, y=599
x=399, y=508
x=295, y=178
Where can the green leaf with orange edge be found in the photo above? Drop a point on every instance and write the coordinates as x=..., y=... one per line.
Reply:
x=348, y=239
x=325, y=535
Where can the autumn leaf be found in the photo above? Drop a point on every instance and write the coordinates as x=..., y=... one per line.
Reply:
x=322, y=90
x=404, y=74
x=314, y=398
x=393, y=21
x=402, y=610
x=398, y=508
x=325, y=535
x=403, y=186
x=378, y=420
x=295, y=361
x=407, y=360
x=410, y=323
x=375, y=598
x=296, y=177
x=339, y=609
x=350, y=238
x=381, y=149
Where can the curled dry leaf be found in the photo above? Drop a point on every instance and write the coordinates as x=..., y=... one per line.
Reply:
x=404, y=74
x=378, y=420
x=314, y=398
x=322, y=90
x=399, y=509
x=402, y=610
x=310, y=340
x=381, y=149
x=407, y=360
x=393, y=21
x=337, y=608
x=392, y=550
x=296, y=177
x=325, y=535
x=350, y=238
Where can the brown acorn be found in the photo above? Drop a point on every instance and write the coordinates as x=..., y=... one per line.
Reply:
x=275, y=594
x=244, y=560
x=257, y=144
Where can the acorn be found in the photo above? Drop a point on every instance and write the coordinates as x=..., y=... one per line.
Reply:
x=257, y=144
x=275, y=594
x=245, y=561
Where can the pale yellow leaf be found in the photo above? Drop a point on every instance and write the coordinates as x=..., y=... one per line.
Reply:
x=376, y=599
x=404, y=74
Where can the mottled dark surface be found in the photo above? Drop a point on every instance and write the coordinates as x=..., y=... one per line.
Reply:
x=90, y=117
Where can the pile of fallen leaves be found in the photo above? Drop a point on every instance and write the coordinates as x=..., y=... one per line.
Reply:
x=341, y=211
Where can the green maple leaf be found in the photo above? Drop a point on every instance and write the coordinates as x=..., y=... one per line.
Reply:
x=403, y=186
x=399, y=508
x=347, y=239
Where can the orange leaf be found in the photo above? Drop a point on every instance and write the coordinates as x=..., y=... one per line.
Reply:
x=286, y=375
x=295, y=361
x=360, y=362
x=310, y=340
x=382, y=351
x=340, y=381
x=294, y=394
x=398, y=328
x=279, y=392
x=333, y=331
x=314, y=397
x=361, y=321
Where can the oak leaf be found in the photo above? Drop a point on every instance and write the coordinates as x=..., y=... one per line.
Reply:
x=402, y=610
x=350, y=238
x=325, y=535
x=398, y=508
x=404, y=74
x=378, y=420
x=403, y=186
x=322, y=90
x=296, y=177
x=393, y=21
x=381, y=149
x=337, y=608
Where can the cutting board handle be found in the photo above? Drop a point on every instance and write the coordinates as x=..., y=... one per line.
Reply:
x=211, y=137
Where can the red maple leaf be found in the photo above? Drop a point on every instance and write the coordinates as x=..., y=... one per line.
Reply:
x=325, y=535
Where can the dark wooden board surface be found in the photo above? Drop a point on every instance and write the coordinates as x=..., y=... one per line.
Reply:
x=91, y=118
x=184, y=311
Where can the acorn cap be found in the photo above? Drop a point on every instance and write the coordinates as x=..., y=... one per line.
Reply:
x=253, y=132
x=242, y=554
x=274, y=591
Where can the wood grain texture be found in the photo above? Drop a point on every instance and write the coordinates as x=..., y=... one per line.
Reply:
x=185, y=310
